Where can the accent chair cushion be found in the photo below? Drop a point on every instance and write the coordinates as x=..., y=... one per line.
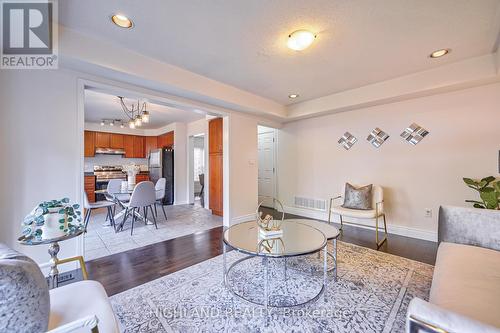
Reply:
x=355, y=213
x=467, y=281
x=24, y=294
x=358, y=198
x=81, y=299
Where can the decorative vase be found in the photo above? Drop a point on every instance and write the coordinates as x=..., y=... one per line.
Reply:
x=131, y=180
x=52, y=226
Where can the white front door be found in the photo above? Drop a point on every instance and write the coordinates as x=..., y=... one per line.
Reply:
x=266, y=167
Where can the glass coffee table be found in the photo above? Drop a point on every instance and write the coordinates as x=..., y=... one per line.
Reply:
x=297, y=240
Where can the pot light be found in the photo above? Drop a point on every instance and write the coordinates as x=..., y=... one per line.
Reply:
x=121, y=125
x=112, y=123
x=122, y=21
x=300, y=40
x=439, y=53
x=292, y=96
x=103, y=123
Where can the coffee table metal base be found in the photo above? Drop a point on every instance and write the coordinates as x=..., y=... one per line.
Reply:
x=265, y=261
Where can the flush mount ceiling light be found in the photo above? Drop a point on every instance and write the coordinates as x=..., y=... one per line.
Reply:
x=439, y=53
x=292, y=96
x=122, y=21
x=300, y=40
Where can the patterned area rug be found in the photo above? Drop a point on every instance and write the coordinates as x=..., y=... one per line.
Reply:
x=371, y=294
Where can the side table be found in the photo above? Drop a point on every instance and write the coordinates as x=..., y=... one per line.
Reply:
x=53, y=251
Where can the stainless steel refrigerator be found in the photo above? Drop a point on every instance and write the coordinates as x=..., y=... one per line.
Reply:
x=161, y=165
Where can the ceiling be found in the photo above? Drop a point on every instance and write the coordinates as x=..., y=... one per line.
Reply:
x=100, y=105
x=243, y=43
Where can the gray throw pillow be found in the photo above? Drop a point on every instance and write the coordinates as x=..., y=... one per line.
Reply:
x=358, y=198
x=24, y=295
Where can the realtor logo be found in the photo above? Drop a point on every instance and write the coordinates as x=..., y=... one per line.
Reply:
x=29, y=34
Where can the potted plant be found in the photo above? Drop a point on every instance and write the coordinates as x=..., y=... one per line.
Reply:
x=52, y=219
x=489, y=192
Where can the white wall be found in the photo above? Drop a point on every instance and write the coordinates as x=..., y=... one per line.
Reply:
x=464, y=141
x=39, y=142
x=243, y=169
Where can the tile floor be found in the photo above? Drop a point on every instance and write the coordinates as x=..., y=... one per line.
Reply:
x=182, y=220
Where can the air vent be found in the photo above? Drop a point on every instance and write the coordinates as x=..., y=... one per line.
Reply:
x=309, y=203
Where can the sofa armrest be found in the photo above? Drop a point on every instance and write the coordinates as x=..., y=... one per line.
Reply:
x=469, y=226
x=425, y=317
x=89, y=322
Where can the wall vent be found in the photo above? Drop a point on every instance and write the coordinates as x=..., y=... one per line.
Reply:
x=309, y=203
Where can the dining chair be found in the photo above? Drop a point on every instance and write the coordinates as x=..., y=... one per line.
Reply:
x=143, y=196
x=90, y=206
x=160, y=187
x=113, y=193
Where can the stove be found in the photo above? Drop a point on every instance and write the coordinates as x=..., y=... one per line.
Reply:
x=104, y=173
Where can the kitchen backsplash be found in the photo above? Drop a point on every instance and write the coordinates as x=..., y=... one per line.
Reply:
x=111, y=160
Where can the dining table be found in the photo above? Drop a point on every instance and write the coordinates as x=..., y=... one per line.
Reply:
x=118, y=198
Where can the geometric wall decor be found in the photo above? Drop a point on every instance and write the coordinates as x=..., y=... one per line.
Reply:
x=347, y=140
x=377, y=137
x=414, y=133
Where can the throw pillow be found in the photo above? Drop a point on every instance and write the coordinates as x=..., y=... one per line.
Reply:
x=24, y=295
x=358, y=198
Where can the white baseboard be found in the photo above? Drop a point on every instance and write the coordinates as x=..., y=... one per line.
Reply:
x=391, y=228
x=243, y=218
x=185, y=202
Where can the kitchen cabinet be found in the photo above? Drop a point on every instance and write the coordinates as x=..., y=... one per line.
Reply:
x=215, y=136
x=150, y=143
x=215, y=161
x=89, y=144
x=116, y=141
x=128, y=145
x=141, y=177
x=102, y=140
x=166, y=140
x=89, y=187
x=139, y=147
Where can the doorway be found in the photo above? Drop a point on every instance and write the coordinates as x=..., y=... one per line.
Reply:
x=197, y=167
x=267, y=165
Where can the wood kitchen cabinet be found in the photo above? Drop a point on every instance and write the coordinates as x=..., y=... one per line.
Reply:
x=116, y=141
x=166, y=140
x=150, y=143
x=141, y=177
x=89, y=144
x=102, y=140
x=89, y=187
x=128, y=145
x=215, y=136
x=139, y=147
x=215, y=160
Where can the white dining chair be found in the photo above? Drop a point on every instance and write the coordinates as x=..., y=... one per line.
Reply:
x=90, y=206
x=143, y=196
x=114, y=187
x=160, y=187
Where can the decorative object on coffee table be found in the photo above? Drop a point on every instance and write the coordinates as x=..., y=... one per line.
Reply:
x=347, y=140
x=414, y=133
x=377, y=137
x=269, y=227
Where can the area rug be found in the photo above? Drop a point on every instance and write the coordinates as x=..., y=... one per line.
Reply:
x=371, y=294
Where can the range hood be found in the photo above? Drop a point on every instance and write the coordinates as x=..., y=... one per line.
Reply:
x=110, y=151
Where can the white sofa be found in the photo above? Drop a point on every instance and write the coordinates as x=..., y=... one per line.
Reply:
x=465, y=291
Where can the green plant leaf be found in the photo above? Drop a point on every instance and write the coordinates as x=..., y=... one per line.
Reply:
x=470, y=182
x=474, y=201
x=479, y=206
x=488, y=179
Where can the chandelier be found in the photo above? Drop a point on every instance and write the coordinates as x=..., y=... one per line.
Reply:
x=136, y=115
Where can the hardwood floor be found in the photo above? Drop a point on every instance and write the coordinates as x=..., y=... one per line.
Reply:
x=125, y=270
